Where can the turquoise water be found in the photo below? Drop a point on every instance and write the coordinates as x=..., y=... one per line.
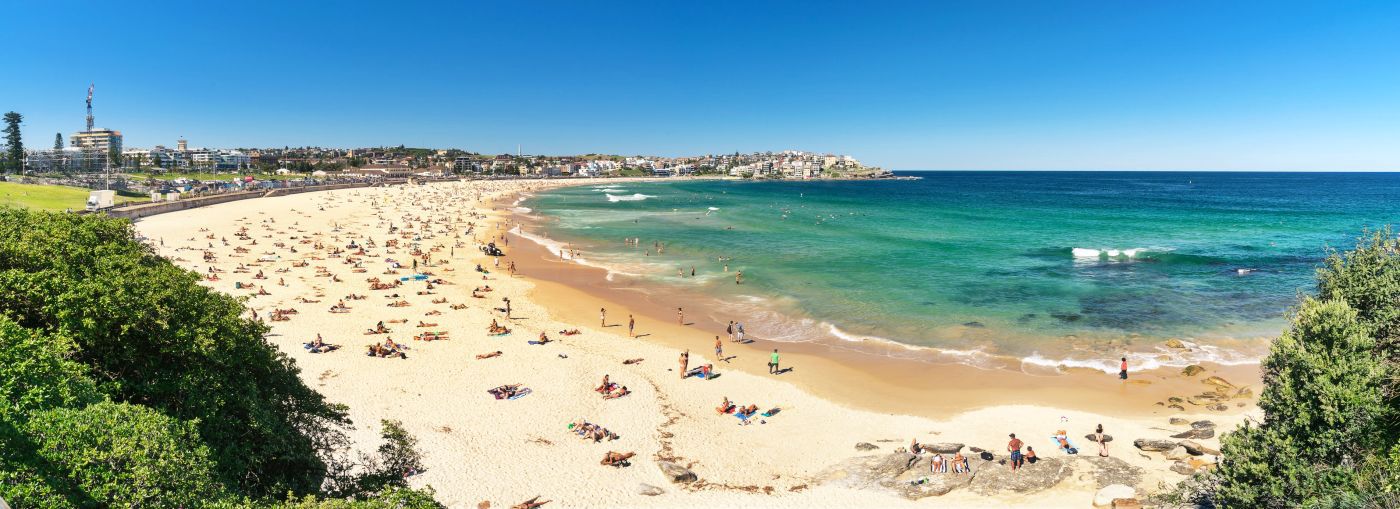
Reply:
x=1038, y=266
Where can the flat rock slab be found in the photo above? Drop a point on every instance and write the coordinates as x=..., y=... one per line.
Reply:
x=1196, y=433
x=1148, y=444
x=866, y=446
x=994, y=477
x=942, y=447
x=1112, y=470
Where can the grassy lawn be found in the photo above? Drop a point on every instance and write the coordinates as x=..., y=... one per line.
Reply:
x=42, y=197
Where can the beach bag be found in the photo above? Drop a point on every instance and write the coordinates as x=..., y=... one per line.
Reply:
x=1072, y=450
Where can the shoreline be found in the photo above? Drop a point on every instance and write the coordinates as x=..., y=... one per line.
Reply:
x=477, y=448
x=851, y=373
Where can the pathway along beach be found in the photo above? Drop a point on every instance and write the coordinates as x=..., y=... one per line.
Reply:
x=479, y=448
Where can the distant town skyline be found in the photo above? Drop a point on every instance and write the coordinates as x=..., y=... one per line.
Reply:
x=936, y=85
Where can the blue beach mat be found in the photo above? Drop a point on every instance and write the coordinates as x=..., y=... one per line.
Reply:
x=1055, y=441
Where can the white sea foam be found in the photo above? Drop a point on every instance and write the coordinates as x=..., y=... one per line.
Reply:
x=522, y=210
x=634, y=197
x=714, y=208
x=555, y=247
x=1094, y=254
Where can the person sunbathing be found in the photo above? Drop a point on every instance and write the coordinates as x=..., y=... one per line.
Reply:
x=496, y=353
x=724, y=406
x=476, y=295
x=533, y=503
x=422, y=324
x=606, y=385
x=399, y=304
x=914, y=446
x=432, y=313
x=937, y=464
x=459, y=306
x=544, y=339
x=617, y=459
x=378, y=329
x=633, y=361
x=572, y=332
x=959, y=463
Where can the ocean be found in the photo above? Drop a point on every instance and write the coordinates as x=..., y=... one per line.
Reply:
x=997, y=269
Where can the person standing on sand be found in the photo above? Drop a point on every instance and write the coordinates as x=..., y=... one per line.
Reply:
x=1123, y=369
x=603, y=317
x=1101, y=440
x=719, y=349
x=680, y=316
x=773, y=363
x=739, y=329
x=1014, y=446
x=631, y=327
x=685, y=362
x=729, y=329
x=507, y=299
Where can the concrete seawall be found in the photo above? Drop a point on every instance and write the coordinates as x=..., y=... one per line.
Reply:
x=135, y=212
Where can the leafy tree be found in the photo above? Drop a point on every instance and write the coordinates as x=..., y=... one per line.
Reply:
x=153, y=336
x=58, y=141
x=121, y=454
x=13, y=142
x=1328, y=437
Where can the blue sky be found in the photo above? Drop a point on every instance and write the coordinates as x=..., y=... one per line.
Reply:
x=906, y=85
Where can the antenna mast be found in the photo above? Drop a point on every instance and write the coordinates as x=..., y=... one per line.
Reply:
x=89, y=104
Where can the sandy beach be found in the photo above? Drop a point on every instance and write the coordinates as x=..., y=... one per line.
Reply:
x=479, y=448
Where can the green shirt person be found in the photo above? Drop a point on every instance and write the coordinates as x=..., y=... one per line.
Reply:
x=773, y=363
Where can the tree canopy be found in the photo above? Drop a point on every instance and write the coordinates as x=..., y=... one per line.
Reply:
x=1328, y=437
x=126, y=383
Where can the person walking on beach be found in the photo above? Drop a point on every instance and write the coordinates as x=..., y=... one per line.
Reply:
x=719, y=349
x=631, y=327
x=773, y=362
x=729, y=329
x=1123, y=369
x=1014, y=446
x=507, y=299
x=685, y=362
x=603, y=317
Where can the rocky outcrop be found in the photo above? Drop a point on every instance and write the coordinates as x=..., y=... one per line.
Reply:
x=1105, y=496
x=1196, y=449
x=1177, y=453
x=1108, y=470
x=1196, y=433
x=677, y=473
x=942, y=447
x=1148, y=444
x=866, y=446
x=1192, y=370
x=1218, y=382
x=649, y=490
x=1203, y=425
x=1178, y=421
x=997, y=478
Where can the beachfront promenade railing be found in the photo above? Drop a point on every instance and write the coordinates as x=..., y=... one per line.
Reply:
x=138, y=211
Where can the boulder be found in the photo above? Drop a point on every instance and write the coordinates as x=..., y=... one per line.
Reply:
x=1175, y=343
x=1148, y=444
x=1205, y=398
x=1192, y=370
x=1196, y=449
x=1219, y=407
x=1243, y=393
x=1112, y=470
x=992, y=478
x=942, y=447
x=1175, y=399
x=1106, y=437
x=1203, y=424
x=1107, y=494
x=1196, y=433
x=866, y=446
x=677, y=473
x=1178, y=421
x=649, y=490
x=1218, y=382
x=1183, y=468
x=1126, y=503
x=1177, y=406
x=1177, y=453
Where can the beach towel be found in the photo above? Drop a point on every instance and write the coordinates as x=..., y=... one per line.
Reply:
x=771, y=412
x=1073, y=449
x=499, y=334
x=521, y=393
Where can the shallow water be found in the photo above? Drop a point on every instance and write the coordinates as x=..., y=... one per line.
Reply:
x=1042, y=267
